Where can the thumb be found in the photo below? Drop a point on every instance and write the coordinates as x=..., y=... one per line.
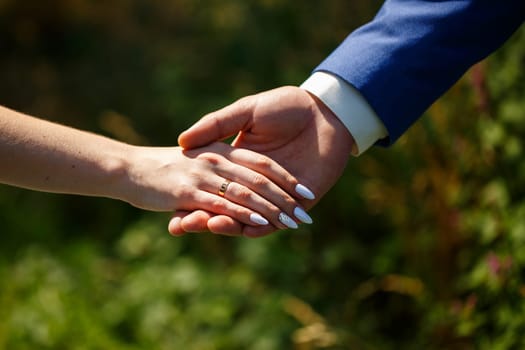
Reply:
x=218, y=125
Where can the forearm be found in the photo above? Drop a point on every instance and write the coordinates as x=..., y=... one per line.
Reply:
x=41, y=155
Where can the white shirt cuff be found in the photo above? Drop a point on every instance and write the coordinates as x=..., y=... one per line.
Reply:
x=350, y=107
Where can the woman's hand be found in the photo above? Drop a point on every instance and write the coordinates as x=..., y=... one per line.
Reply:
x=257, y=191
x=286, y=124
x=237, y=184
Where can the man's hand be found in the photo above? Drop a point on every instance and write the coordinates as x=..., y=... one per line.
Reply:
x=287, y=124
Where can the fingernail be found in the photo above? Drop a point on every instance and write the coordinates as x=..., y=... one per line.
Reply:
x=258, y=219
x=287, y=221
x=304, y=191
x=301, y=215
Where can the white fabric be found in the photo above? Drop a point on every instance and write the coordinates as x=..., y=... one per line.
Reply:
x=350, y=107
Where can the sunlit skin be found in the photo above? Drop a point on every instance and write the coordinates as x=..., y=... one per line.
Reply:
x=288, y=125
x=45, y=156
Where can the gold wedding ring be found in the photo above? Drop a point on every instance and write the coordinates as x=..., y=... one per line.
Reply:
x=223, y=188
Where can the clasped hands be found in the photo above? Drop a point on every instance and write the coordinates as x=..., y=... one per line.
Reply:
x=290, y=145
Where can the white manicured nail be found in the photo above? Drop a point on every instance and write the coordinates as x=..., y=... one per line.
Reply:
x=301, y=215
x=258, y=219
x=287, y=221
x=304, y=191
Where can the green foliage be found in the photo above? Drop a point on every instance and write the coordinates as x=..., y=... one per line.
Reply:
x=418, y=246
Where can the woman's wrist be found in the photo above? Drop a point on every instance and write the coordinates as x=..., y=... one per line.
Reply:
x=119, y=167
x=143, y=177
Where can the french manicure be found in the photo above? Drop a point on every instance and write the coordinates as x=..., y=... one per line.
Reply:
x=258, y=219
x=287, y=221
x=304, y=191
x=302, y=215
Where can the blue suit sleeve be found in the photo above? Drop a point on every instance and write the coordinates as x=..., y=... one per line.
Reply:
x=415, y=50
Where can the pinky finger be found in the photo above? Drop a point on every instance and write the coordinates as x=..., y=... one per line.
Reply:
x=219, y=205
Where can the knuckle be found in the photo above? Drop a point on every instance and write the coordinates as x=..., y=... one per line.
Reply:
x=288, y=201
x=274, y=212
x=260, y=181
x=210, y=158
x=217, y=122
x=185, y=191
x=245, y=102
x=243, y=194
x=291, y=180
x=263, y=162
x=217, y=206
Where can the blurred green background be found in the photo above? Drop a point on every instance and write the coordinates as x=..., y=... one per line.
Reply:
x=420, y=246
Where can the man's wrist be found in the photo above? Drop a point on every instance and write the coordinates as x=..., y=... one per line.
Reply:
x=350, y=107
x=345, y=136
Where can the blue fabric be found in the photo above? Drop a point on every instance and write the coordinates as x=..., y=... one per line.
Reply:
x=415, y=50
